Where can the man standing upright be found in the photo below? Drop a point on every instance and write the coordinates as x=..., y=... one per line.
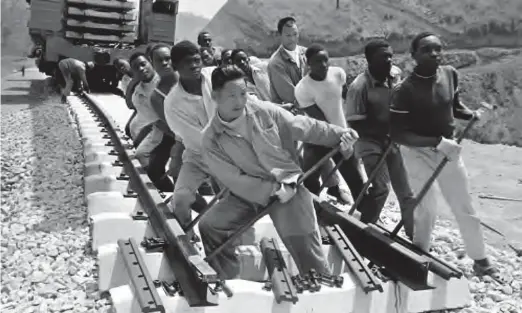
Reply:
x=423, y=111
x=367, y=109
x=286, y=67
x=287, y=64
x=319, y=93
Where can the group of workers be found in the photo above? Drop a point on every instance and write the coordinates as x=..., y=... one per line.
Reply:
x=229, y=120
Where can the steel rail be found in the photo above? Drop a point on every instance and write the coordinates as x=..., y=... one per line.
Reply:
x=189, y=268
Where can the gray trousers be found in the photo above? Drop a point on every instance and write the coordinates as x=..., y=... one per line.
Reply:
x=295, y=222
x=451, y=185
x=394, y=172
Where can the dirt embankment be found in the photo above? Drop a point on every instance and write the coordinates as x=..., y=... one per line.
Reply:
x=493, y=75
x=487, y=74
x=464, y=24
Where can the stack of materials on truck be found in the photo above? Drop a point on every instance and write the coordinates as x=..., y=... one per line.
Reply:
x=103, y=21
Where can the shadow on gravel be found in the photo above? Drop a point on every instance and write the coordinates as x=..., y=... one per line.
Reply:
x=37, y=92
x=57, y=188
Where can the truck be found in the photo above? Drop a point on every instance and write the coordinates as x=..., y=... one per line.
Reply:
x=97, y=31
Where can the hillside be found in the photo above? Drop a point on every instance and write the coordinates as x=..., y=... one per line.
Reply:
x=493, y=75
x=189, y=25
x=463, y=24
x=15, y=37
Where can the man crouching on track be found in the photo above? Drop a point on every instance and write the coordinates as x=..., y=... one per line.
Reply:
x=188, y=109
x=73, y=72
x=249, y=146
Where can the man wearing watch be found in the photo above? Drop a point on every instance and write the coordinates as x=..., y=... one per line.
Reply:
x=423, y=111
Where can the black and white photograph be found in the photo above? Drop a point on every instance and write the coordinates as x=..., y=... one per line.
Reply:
x=261, y=156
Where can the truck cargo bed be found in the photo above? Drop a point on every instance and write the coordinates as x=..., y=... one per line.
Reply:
x=106, y=38
x=93, y=25
x=127, y=16
x=105, y=4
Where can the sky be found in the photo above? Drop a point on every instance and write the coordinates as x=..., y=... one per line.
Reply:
x=206, y=8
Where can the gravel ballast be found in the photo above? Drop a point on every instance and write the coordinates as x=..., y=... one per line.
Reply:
x=488, y=296
x=47, y=265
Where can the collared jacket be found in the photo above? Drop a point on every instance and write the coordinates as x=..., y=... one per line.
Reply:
x=285, y=73
x=252, y=167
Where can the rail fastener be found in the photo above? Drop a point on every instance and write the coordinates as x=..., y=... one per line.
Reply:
x=354, y=261
x=192, y=276
x=281, y=281
x=142, y=283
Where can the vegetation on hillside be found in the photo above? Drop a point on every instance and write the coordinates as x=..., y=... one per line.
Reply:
x=488, y=74
x=251, y=24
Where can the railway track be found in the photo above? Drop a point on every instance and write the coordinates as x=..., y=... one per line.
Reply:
x=146, y=263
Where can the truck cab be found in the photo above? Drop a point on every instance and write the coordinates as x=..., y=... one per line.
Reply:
x=98, y=31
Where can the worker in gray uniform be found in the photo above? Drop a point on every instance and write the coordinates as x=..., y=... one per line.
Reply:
x=73, y=71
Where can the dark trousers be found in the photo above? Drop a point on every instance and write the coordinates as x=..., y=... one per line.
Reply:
x=394, y=172
x=158, y=162
x=349, y=170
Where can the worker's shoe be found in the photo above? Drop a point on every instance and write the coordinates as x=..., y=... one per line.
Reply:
x=484, y=267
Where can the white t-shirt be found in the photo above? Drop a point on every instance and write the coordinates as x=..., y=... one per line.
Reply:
x=188, y=114
x=327, y=94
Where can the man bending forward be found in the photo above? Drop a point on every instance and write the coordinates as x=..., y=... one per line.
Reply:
x=249, y=147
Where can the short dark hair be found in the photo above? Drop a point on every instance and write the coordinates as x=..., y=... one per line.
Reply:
x=156, y=47
x=225, y=74
x=282, y=22
x=415, y=42
x=236, y=51
x=225, y=51
x=182, y=49
x=203, y=33
x=116, y=61
x=371, y=47
x=136, y=55
x=314, y=49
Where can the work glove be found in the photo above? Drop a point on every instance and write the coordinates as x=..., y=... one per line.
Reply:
x=450, y=148
x=285, y=193
x=348, y=138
